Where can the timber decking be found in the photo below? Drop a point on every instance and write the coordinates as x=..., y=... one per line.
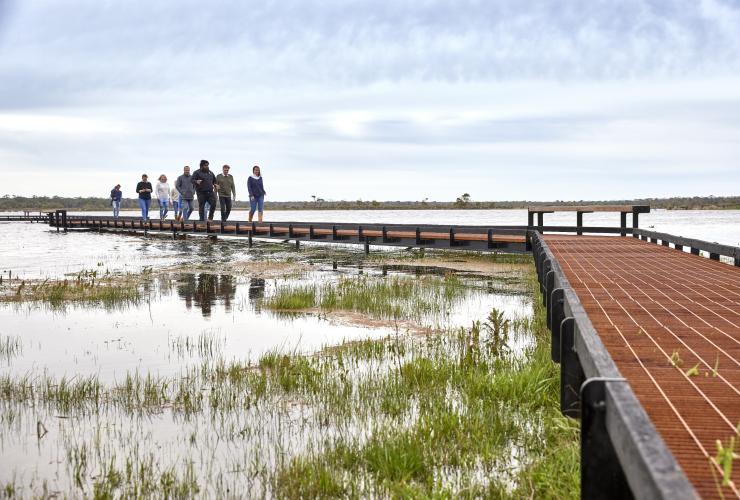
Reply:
x=650, y=306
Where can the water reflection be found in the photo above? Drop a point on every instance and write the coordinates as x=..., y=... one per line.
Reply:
x=204, y=290
x=256, y=293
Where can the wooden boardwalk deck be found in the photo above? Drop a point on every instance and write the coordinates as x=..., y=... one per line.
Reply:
x=660, y=313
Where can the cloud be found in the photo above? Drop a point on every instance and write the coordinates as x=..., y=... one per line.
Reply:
x=504, y=92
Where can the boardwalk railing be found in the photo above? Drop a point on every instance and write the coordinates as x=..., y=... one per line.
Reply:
x=480, y=238
x=715, y=250
x=622, y=454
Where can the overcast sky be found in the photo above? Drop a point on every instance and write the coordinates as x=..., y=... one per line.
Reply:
x=375, y=100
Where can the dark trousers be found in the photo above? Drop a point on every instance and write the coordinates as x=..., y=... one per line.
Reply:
x=225, y=206
x=203, y=198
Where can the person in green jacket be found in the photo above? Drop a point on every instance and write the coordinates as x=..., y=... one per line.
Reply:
x=226, y=191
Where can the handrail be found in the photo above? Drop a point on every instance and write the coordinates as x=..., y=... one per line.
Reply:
x=695, y=246
x=621, y=451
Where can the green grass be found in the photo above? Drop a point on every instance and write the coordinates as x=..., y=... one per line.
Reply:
x=396, y=297
x=86, y=288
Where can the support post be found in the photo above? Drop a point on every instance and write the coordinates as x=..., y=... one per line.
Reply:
x=490, y=238
x=367, y=247
x=64, y=220
x=678, y=247
x=623, y=223
x=695, y=251
x=664, y=243
x=418, y=236
x=601, y=473
x=714, y=256
x=297, y=244
x=579, y=223
x=540, y=219
x=635, y=219
x=571, y=372
x=452, y=236
x=530, y=219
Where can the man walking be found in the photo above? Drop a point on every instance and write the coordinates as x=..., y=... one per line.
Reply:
x=205, y=186
x=184, y=186
x=226, y=191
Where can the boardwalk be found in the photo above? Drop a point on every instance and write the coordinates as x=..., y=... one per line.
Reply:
x=660, y=313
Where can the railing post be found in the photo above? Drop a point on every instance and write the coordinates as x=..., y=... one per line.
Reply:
x=64, y=220
x=530, y=219
x=571, y=372
x=554, y=319
x=452, y=237
x=418, y=236
x=695, y=251
x=635, y=218
x=737, y=257
x=490, y=239
x=549, y=285
x=601, y=473
x=713, y=256
x=310, y=231
x=623, y=223
x=579, y=223
x=540, y=219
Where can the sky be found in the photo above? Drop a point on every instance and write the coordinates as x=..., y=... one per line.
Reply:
x=374, y=100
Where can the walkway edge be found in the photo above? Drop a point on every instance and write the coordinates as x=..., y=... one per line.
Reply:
x=633, y=451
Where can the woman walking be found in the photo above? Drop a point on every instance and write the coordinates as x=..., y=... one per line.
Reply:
x=256, y=194
x=144, y=188
x=115, y=199
x=163, y=196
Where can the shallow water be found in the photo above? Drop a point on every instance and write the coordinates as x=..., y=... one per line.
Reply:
x=193, y=318
x=33, y=251
x=185, y=321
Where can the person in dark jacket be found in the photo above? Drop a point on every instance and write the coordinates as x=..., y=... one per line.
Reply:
x=144, y=188
x=205, y=186
x=115, y=200
x=226, y=191
x=184, y=186
x=256, y=194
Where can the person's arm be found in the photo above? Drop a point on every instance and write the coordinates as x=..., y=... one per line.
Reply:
x=233, y=189
x=178, y=184
x=250, y=188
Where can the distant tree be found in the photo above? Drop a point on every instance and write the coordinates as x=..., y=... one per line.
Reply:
x=462, y=201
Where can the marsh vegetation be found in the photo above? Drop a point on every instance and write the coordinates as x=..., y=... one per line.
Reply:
x=468, y=409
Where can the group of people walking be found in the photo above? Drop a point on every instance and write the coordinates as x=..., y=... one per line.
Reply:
x=202, y=185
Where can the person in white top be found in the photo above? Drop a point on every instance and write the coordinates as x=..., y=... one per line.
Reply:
x=175, y=197
x=163, y=196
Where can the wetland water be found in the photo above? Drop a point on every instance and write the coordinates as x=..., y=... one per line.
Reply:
x=199, y=383
x=265, y=372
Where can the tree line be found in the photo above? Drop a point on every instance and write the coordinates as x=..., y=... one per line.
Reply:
x=44, y=203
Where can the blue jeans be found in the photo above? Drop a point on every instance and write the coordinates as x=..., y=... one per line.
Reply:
x=176, y=207
x=187, y=208
x=116, y=207
x=164, y=205
x=144, y=205
x=256, y=204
